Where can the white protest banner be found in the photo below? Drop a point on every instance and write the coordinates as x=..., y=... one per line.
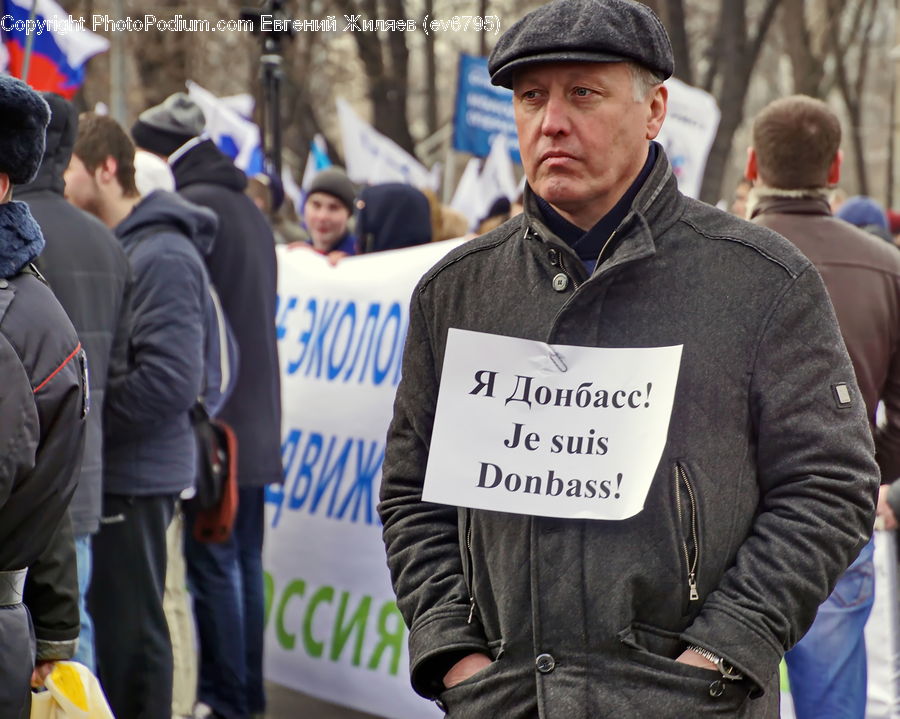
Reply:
x=550, y=430
x=692, y=119
x=373, y=158
x=332, y=626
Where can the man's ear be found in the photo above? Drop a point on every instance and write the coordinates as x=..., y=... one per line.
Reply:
x=834, y=170
x=5, y=188
x=105, y=172
x=657, y=111
x=751, y=170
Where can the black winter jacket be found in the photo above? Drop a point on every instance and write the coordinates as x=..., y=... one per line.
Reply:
x=243, y=270
x=764, y=494
x=43, y=407
x=88, y=272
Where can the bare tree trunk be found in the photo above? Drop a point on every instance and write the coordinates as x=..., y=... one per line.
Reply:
x=738, y=57
x=808, y=69
x=851, y=91
x=387, y=80
x=431, y=101
x=674, y=18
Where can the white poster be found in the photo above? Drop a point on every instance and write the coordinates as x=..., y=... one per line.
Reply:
x=549, y=430
x=332, y=626
x=692, y=120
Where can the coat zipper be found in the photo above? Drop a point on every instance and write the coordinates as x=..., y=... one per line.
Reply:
x=681, y=478
x=467, y=575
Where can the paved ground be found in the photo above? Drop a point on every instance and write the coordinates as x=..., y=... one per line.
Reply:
x=287, y=704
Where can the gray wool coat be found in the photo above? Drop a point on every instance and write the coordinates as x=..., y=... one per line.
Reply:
x=764, y=494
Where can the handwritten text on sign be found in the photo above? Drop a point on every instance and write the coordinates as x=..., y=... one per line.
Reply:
x=549, y=430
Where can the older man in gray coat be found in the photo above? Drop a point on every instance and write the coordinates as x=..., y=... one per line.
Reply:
x=765, y=487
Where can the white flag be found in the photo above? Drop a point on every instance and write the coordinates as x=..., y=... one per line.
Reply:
x=373, y=158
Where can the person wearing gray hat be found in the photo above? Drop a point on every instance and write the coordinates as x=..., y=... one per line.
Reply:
x=164, y=128
x=43, y=408
x=327, y=211
x=517, y=604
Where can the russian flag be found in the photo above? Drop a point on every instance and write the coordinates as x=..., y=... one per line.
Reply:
x=59, y=52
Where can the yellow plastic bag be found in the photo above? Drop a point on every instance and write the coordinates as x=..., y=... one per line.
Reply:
x=72, y=693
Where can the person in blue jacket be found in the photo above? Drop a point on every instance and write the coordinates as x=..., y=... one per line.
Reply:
x=150, y=452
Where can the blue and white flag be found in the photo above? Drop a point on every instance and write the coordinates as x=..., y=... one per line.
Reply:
x=236, y=136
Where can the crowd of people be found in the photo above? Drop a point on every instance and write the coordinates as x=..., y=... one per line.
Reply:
x=138, y=295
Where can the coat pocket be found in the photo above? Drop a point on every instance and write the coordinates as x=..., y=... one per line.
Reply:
x=687, y=523
x=653, y=675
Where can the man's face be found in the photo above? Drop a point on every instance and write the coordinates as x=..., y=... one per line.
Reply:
x=582, y=135
x=82, y=189
x=326, y=219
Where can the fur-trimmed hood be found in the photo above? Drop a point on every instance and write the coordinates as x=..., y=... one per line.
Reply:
x=21, y=240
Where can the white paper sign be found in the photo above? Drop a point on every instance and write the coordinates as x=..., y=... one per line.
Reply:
x=549, y=430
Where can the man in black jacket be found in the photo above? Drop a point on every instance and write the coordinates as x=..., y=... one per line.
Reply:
x=43, y=406
x=242, y=268
x=89, y=275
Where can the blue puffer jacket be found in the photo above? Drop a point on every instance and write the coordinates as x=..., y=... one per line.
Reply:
x=149, y=443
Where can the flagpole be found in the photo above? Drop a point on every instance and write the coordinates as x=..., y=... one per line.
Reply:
x=29, y=42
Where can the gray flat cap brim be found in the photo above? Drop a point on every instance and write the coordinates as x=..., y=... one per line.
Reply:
x=504, y=76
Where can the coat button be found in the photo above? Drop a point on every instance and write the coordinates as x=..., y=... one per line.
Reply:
x=3, y=284
x=717, y=688
x=560, y=282
x=545, y=663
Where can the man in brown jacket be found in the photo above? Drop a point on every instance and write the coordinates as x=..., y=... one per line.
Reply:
x=794, y=159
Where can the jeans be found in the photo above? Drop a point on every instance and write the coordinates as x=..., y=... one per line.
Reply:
x=85, y=651
x=827, y=668
x=226, y=582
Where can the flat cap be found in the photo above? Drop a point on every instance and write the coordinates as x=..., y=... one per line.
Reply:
x=24, y=116
x=583, y=31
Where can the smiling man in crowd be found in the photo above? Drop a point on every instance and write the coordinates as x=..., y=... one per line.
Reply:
x=327, y=212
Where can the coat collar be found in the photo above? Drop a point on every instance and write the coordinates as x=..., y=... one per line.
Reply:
x=765, y=200
x=656, y=207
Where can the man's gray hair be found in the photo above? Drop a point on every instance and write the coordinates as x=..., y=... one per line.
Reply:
x=643, y=80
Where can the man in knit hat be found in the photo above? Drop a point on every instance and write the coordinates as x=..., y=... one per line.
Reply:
x=43, y=409
x=227, y=577
x=576, y=580
x=327, y=212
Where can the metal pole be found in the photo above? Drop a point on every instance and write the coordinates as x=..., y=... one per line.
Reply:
x=117, y=69
x=29, y=42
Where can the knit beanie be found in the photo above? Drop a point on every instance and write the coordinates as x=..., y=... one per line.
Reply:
x=334, y=181
x=166, y=127
x=863, y=211
x=24, y=116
